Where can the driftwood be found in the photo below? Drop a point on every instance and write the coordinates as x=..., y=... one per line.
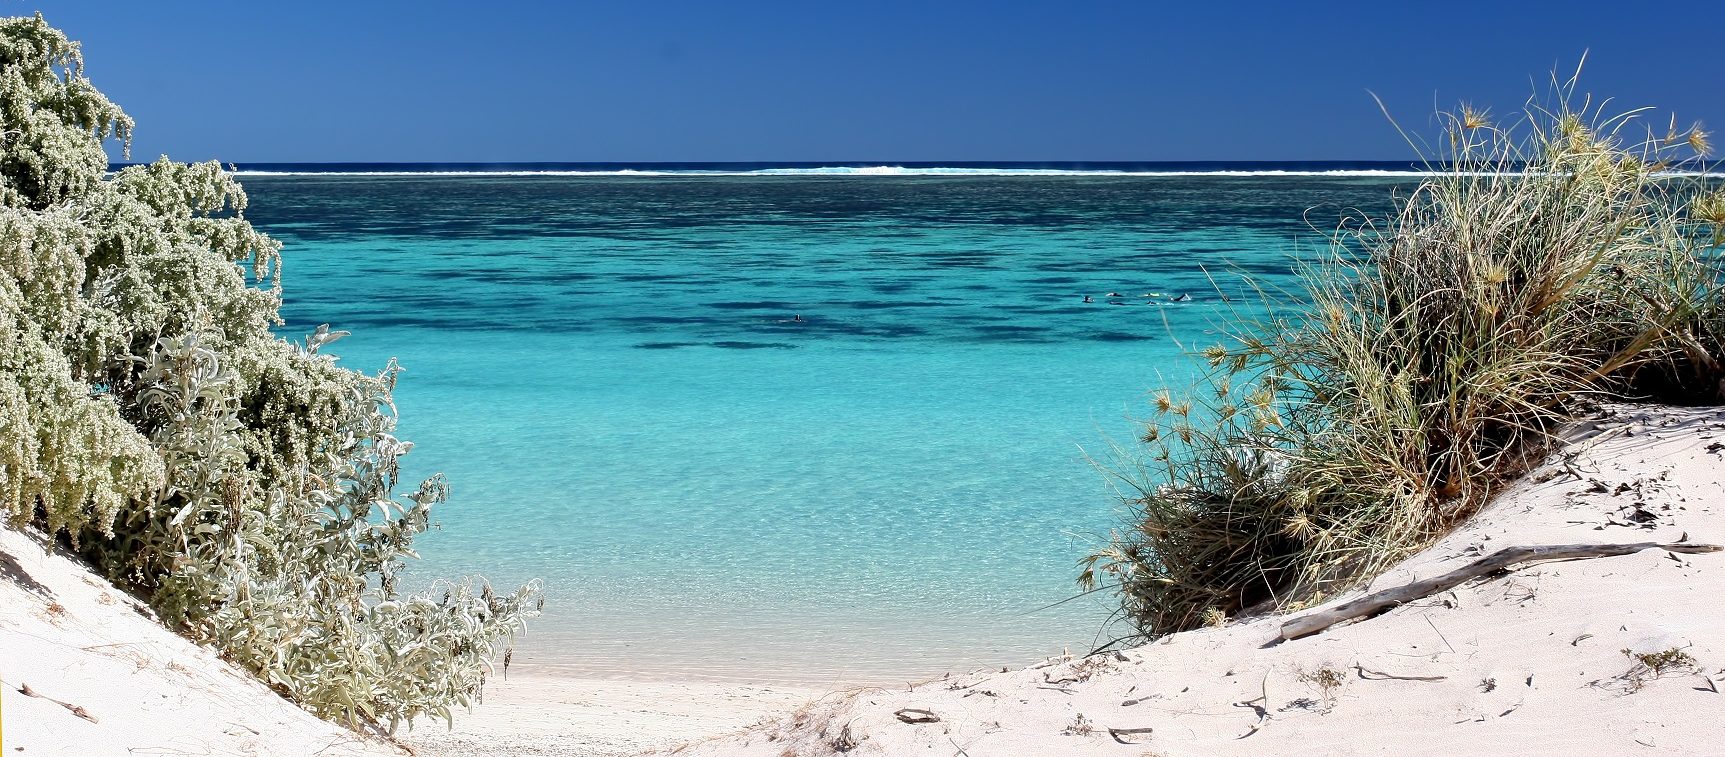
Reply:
x=914, y=715
x=1120, y=734
x=1367, y=674
x=1502, y=559
x=25, y=689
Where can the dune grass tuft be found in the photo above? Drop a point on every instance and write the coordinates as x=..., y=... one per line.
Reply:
x=1554, y=261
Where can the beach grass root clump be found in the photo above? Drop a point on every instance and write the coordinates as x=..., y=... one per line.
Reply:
x=1568, y=256
x=151, y=420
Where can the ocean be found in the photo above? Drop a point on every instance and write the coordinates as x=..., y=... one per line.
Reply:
x=816, y=423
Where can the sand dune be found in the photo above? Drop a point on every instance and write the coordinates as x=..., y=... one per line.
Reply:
x=105, y=678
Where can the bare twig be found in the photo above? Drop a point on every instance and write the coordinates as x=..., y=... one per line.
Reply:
x=1373, y=675
x=25, y=689
x=1118, y=733
x=1263, y=710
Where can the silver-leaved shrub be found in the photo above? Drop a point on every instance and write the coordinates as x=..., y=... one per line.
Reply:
x=243, y=484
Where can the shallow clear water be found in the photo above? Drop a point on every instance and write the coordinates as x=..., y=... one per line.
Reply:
x=611, y=373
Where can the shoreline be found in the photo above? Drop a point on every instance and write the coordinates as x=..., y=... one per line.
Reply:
x=798, y=668
x=601, y=717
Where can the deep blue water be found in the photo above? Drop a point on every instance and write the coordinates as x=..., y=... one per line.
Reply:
x=612, y=373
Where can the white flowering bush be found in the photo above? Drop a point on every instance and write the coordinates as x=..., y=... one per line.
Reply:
x=243, y=484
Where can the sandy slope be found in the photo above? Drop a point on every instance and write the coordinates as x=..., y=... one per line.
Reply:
x=111, y=680
x=1536, y=662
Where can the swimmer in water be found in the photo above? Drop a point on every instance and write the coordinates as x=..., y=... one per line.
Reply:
x=1182, y=298
x=1087, y=299
x=1114, y=294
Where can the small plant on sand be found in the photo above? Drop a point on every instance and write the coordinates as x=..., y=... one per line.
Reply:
x=1662, y=661
x=1080, y=726
x=149, y=418
x=1329, y=682
x=1546, y=263
x=1649, y=666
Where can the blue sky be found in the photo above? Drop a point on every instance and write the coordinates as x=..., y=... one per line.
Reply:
x=818, y=80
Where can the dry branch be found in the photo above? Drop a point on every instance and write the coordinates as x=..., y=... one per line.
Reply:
x=1502, y=559
x=1367, y=674
x=1120, y=734
x=915, y=715
x=25, y=689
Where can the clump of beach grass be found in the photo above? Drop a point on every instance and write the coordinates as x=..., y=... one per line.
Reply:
x=1568, y=256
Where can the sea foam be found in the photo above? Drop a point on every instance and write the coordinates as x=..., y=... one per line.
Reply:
x=892, y=171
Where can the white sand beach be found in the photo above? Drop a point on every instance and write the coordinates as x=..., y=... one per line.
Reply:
x=538, y=715
x=1541, y=660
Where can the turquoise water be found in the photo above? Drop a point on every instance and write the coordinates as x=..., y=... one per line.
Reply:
x=612, y=374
